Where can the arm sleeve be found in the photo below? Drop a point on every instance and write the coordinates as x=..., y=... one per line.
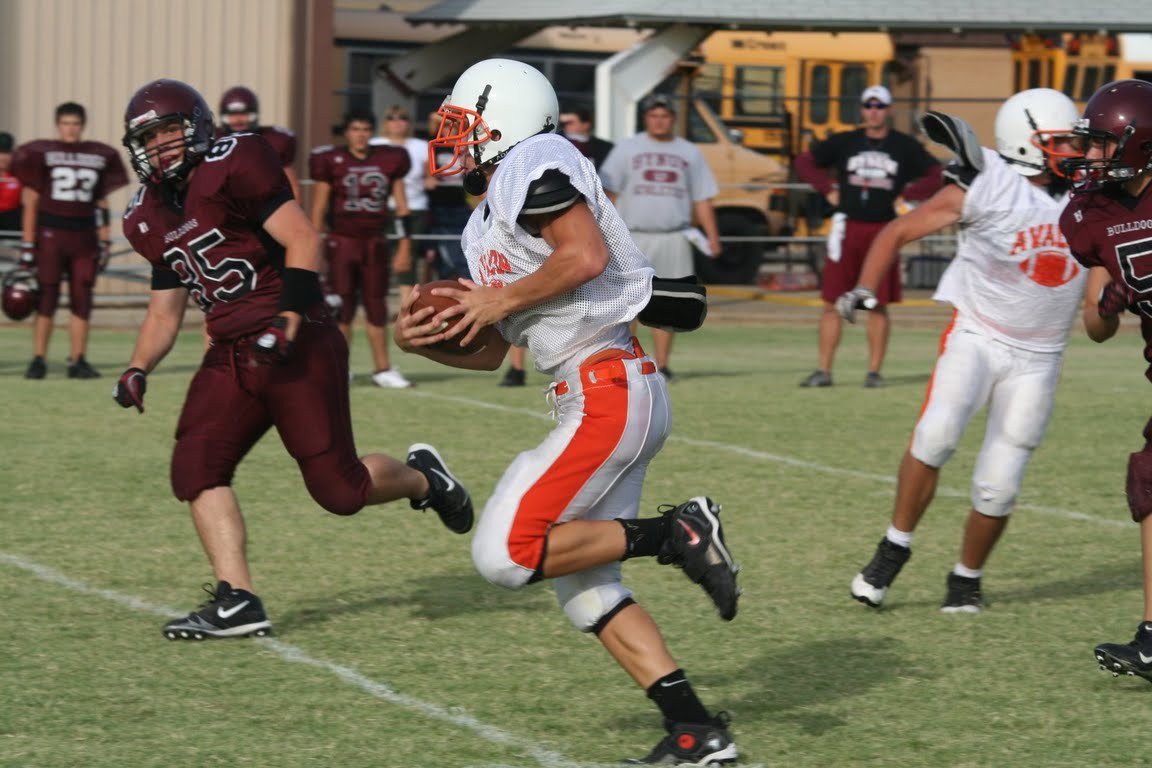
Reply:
x=552, y=192
x=163, y=278
x=256, y=180
x=809, y=171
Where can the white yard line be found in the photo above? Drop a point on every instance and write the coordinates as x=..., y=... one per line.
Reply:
x=776, y=458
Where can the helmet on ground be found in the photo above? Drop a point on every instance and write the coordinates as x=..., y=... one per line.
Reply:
x=159, y=103
x=21, y=293
x=1119, y=118
x=239, y=100
x=1027, y=127
x=495, y=105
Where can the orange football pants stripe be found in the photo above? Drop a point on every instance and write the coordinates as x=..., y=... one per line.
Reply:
x=939, y=353
x=605, y=418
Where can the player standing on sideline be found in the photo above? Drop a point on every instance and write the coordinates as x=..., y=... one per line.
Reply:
x=240, y=112
x=217, y=220
x=9, y=190
x=873, y=164
x=65, y=227
x=1108, y=225
x=661, y=184
x=1015, y=288
x=558, y=272
x=351, y=191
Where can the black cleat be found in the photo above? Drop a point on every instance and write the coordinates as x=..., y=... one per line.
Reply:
x=871, y=584
x=513, y=377
x=81, y=370
x=817, y=378
x=696, y=544
x=963, y=596
x=1129, y=659
x=693, y=744
x=37, y=369
x=230, y=613
x=446, y=495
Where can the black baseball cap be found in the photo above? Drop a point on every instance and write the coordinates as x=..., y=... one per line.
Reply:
x=657, y=100
x=6, y=141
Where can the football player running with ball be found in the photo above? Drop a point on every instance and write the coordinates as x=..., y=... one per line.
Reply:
x=217, y=220
x=556, y=271
x=1015, y=289
x=1109, y=227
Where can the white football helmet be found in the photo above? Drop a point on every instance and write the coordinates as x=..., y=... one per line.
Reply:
x=496, y=104
x=1027, y=126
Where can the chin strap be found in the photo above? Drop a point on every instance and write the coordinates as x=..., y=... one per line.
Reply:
x=475, y=182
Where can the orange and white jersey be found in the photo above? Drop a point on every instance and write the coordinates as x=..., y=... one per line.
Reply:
x=568, y=329
x=1013, y=277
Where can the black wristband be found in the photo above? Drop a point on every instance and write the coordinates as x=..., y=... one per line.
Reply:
x=102, y=217
x=301, y=290
x=403, y=226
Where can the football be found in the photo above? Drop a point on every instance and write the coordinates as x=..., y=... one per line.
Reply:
x=441, y=303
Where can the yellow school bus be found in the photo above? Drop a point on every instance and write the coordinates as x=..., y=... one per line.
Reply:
x=782, y=89
x=1079, y=63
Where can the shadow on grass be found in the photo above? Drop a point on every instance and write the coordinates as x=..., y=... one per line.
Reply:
x=428, y=597
x=793, y=682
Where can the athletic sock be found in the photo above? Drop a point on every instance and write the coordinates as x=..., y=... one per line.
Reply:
x=677, y=701
x=644, y=538
x=898, y=537
x=968, y=573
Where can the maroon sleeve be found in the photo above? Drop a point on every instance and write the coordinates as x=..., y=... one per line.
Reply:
x=927, y=185
x=28, y=166
x=320, y=165
x=807, y=170
x=1079, y=236
x=256, y=180
x=283, y=141
x=403, y=163
x=115, y=176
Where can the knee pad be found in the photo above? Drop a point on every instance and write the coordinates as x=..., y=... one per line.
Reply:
x=936, y=435
x=347, y=312
x=1139, y=485
x=590, y=597
x=80, y=296
x=49, y=299
x=341, y=490
x=194, y=471
x=994, y=499
x=376, y=310
x=494, y=564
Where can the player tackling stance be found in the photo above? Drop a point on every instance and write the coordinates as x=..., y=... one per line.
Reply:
x=1109, y=227
x=1015, y=289
x=217, y=220
x=557, y=271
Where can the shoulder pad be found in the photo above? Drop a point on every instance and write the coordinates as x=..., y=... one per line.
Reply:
x=553, y=191
x=321, y=149
x=960, y=175
x=956, y=135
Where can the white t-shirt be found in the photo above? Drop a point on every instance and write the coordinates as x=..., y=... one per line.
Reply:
x=1013, y=277
x=414, y=180
x=656, y=182
x=564, y=331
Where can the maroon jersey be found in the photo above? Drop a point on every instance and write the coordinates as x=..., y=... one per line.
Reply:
x=282, y=140
x=358, y=206
x=1107, y=228
x=69, y=178
x=212, y=241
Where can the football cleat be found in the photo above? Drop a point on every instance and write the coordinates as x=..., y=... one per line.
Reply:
x=963, y=596
x=230, y=613
x=37, y=369
x=695, y=543
x=445, y=493
x=817, y=378
x=390, y=379
x=871, y=584
x=82, y=370
x=1128, y=659
x=693, y=744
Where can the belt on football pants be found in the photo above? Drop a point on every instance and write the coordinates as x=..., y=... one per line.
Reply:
x=608, y=366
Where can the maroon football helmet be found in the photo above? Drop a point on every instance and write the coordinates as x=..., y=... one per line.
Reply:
x=239, y=100
x=1120, y=114
x=21, y=293
x=154, y=105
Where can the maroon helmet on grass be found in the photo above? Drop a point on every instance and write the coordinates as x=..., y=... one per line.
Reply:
x=21, y=293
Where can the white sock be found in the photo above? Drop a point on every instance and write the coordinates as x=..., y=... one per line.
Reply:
x=899, y=538
x=968, y=573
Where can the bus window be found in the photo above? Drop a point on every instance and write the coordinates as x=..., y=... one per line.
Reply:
x=574, y=80
x=1090, y=82
x=1070, y=72
x=708, y=84
x=1035, y=73
x=853, y=81
x=759, y=91
x=1109, y=74
x=818, y=94
x=698, y=130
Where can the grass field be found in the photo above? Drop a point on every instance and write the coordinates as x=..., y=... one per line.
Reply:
x=391, y=651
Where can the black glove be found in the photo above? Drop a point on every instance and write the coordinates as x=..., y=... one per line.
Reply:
x=105, y=255
x=130, y=388
x=1114, y=299
x=272, y=346
x=28, y=255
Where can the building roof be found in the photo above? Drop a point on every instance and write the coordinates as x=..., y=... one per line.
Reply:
x=955, y=16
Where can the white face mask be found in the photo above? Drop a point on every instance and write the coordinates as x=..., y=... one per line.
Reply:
x=582, y=137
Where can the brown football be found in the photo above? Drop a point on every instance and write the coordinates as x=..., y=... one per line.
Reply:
x=440, y=303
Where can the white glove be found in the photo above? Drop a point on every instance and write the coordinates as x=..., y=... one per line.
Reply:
x=857, y=298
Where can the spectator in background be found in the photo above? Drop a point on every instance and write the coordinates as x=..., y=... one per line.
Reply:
x=662, y=185
x=872, y=164
x=9, y=190
x=350, y=195
x=449, y=212
x=577, y=127
x=411, y=255
x=240, y=112
x=65, y=228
